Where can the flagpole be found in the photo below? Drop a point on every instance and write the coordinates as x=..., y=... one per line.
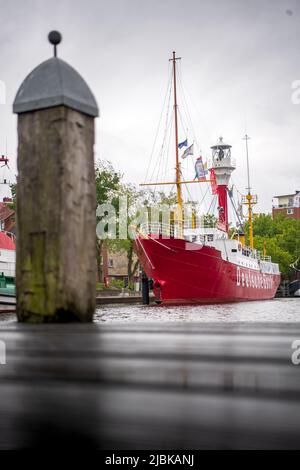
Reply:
x=178, y=175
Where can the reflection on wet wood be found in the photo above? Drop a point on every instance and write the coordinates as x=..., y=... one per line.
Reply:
x=154, y=385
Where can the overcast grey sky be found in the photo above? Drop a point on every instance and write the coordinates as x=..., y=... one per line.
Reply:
x=239, y=59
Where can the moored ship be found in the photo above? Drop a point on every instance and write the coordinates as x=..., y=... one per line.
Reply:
x=199, y=260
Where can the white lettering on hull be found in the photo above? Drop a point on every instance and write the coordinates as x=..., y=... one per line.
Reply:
x=253, y=280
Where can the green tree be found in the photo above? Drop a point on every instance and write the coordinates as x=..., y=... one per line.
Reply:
x=209, y=220
x=108, y=183
x=281, y=237
x=137, y=200
x=13, y=188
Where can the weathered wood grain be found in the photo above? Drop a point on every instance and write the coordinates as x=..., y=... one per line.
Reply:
x=56, y=203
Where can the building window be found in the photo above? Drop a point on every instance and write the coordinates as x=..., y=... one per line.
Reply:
x=110, y=263
x=290, y=211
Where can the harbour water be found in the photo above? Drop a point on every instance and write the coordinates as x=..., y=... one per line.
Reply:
x=277, y=310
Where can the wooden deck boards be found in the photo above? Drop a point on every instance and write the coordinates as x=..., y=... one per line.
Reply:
x=150, y=385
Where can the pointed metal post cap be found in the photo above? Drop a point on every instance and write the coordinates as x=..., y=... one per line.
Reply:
x=55, y=83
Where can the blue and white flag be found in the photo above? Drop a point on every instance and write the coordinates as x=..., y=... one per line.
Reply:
x=183, y=144
x=188, y=151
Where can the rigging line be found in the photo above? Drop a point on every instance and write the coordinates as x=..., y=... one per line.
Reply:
x=165, y=149
x=189, y=194
x=233, y=183
x=235, y=212
x=185, y=106
x=239, y=203
x=168, y=151
x=200, y=189
x=166, y=101
x=145, y=253
x=235, y=216
x=182, y=121
x=212, y=203
x=167, y=124
x=160, y=154
x=240, y=217
x=167, y=121
x=205, y=194
x=184, y=126
x=190, y=125
x=184, y=163
x=167, y=174
x=160, y=119
x=191, y=122
x=193, y=103
x=236, y=188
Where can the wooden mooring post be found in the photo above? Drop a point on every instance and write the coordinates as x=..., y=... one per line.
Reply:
x=145, y=289
x=56, y=201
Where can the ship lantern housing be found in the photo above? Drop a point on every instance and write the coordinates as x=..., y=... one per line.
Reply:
x=222, y=162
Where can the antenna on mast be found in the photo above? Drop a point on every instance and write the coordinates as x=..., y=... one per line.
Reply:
x=250, y=199
x=246, y=138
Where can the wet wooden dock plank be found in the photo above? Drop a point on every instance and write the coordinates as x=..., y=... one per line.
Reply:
x=144, y=385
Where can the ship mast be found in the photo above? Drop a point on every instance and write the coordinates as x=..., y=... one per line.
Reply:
x=179, y=182
x=249, y=199
x=178, y=172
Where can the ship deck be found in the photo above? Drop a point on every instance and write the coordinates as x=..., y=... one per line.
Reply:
x=150, y=385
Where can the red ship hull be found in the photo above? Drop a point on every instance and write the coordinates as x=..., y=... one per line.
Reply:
x=185, y=272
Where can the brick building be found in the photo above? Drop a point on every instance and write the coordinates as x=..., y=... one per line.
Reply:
x=287, y=204
x=7, y=217
x=115, y=265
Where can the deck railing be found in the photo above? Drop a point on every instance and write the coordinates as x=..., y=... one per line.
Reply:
x=173, y=229
x=159, y=228
x=253, y=200
x=199, y=223
x=265, y=258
